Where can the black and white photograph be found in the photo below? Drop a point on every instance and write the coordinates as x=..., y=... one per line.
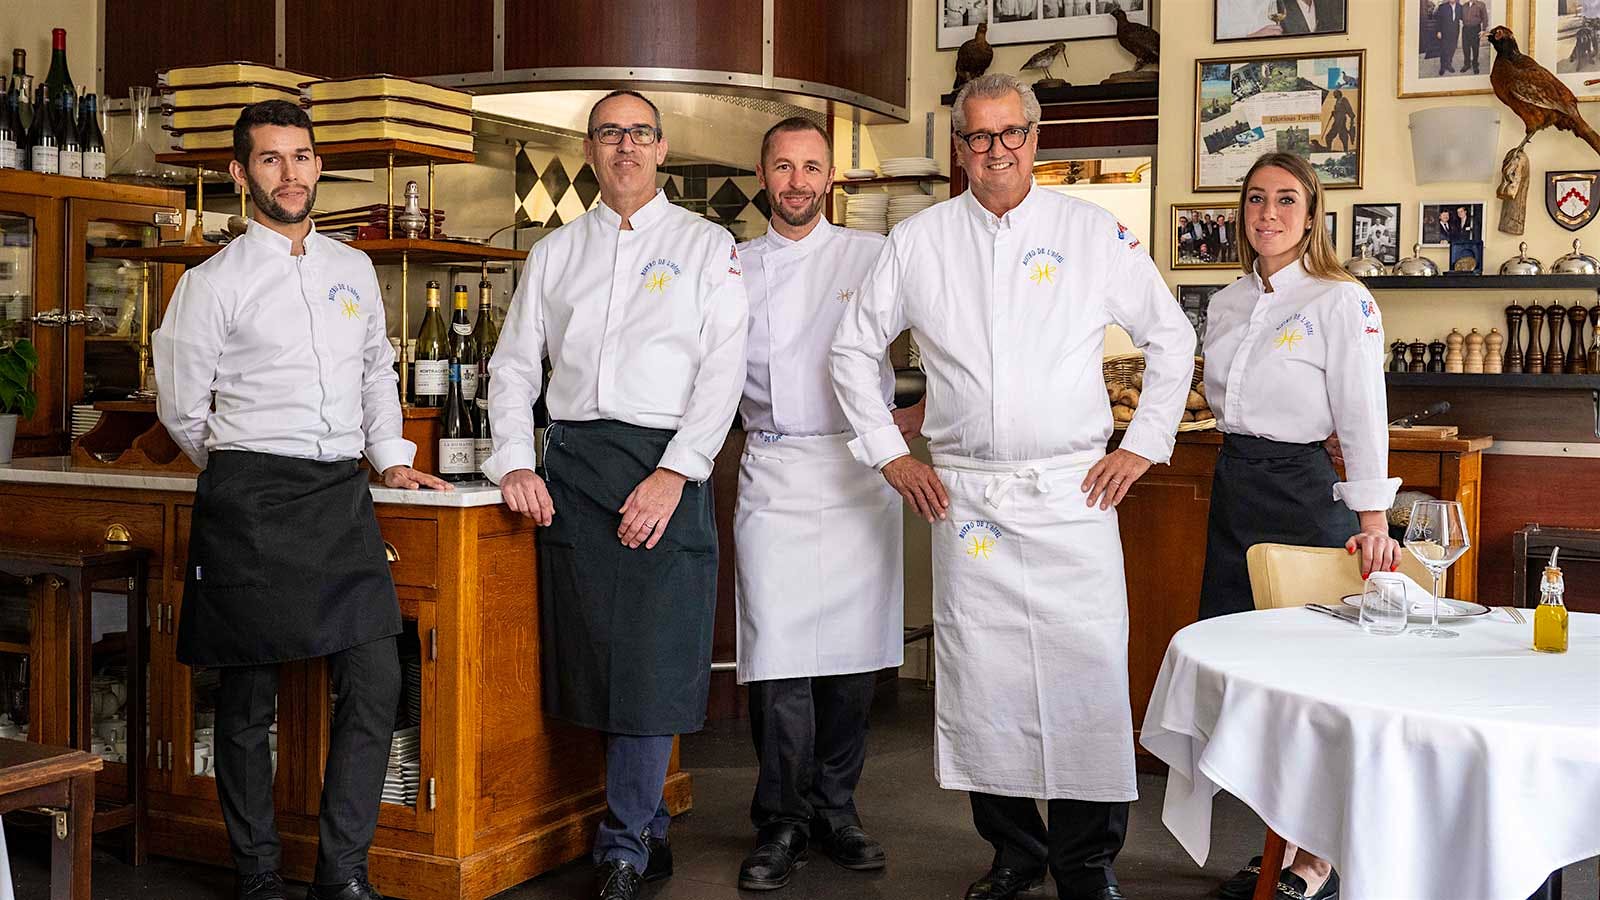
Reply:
x=1564, y=37
x=1442, y=223
x=1196, y=300
x=1243, y=20
x=1444, y=45
x=1034, y=21
x=1330, y=221
x=1016, y=10
x=964, y=13
x=1204, y=237
x=1375, y=228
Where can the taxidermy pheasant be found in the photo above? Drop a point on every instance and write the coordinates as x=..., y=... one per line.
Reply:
x=1140, y=40
x=974, y=57
x=1535, y=95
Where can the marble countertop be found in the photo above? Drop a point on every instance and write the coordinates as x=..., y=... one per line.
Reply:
x=60, y=470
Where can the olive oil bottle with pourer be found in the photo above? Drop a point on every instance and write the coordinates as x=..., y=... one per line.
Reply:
x=1550, y=619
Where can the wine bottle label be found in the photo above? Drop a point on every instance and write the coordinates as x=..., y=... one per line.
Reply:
x=46, y=160
x=431, y=377
x=8, y=153
x=482, y=448
x=94, y=164
x=457, y=456
x=469, y=382
x=460, y=328
x=71, y=163
x=483, y=404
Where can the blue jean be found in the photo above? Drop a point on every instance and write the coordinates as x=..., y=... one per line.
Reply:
x=636, y=773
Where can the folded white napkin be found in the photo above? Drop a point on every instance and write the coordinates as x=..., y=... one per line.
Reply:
x=1419, y=598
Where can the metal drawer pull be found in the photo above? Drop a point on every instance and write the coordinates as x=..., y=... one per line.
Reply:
x=51, y=317
x=167, y=217
x=79, y=317
x=117, y=533
x=390, y=553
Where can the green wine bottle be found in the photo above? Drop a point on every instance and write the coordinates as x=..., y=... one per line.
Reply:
x=431, y=372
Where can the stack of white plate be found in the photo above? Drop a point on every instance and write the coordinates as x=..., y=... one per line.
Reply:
x=84, y=417
x=909, y=165
x=858, y=174
x=907, y=205
x=867, y=212
x=405, y=768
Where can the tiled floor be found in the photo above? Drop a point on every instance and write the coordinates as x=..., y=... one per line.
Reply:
x=933, y=851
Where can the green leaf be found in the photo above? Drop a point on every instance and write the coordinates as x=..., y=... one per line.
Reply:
x=13, y=371
x=27, y=403
x=8, y=396
x=25, y=349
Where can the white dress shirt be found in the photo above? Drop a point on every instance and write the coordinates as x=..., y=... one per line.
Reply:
x=1010, y=314
x=798, y=291
x=645, y=326
x=293, y=348
x=1300, y=363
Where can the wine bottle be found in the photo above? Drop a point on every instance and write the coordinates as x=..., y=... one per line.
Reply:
x=92, y=139
x=43, y=146
x=463, y=349
x=70, y=154
x=430, y=374
x=58, y=79
x=21, y=97
x=8, y=135
x=456, y=441
x=485, y=333
x=485, y=440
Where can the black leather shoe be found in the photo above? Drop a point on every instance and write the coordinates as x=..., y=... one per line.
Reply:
x=617, y=879
x=1242, y=885
x=850, y=847
x=779, y=851
x=660, y=864
x=357, y=888
x=1001, y=883
x=1293, y=887
x=261, y=886
x=1109, y=892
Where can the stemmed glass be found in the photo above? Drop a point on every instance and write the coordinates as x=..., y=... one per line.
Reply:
x=1437, y=537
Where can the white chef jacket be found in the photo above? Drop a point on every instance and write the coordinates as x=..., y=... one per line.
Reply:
x=798, y=291
x=1010, y=314
x=1301, y=363
x=293, y=348
x=644, y=326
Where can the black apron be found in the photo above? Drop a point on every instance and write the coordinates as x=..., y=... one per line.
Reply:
x=1266, y=492
x=285, y=562
x=626, y=633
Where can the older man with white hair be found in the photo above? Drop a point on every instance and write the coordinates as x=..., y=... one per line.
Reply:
x=1008, y=290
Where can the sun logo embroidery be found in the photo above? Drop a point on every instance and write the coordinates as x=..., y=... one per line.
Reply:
x=979, y=539
x=347, y=299
x=658, y=274
x=845, y=295
x=657, y=282
x=1290, y=338
x=1292, y=331
x=1041, y=264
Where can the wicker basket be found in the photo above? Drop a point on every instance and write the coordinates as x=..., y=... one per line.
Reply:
x=1120, y=370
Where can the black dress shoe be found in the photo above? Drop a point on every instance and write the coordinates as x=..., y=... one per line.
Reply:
x=779, y=851
x=1242, y=884
x=261, y=886
x=1001, y=883
x=660, y=864
x=850, y=847
x=617, y=879
x=357, y=888
x=1293, y=887
x=1109, y=892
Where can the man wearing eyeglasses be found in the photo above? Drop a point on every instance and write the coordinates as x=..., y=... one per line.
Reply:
x=1008, y=290
x=640, y=306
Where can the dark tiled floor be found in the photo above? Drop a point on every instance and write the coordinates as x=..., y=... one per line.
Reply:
x=933, y=850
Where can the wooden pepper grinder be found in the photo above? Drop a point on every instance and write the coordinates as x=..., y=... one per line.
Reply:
x=1575, y=355
x=1454, y=358
x=1514, y=313
x=1594, y=348
x=1493, y=362
x=1419, y=356
x=1436, y=355
x=1535, y=340
x=1473, y=362
x=1555, y=359
x=1397, y=361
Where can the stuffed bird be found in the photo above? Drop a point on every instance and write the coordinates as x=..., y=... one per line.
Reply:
x=1535, y=95
x=1046, y=58
x=974, y=57
x=1140, y=40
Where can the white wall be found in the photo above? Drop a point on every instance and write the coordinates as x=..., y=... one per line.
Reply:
x=27, y=24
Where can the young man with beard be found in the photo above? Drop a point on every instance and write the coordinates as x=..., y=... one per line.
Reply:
x=275, y=372
x=818, y=535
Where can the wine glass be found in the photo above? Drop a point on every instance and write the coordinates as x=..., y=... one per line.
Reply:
x=1437, y=537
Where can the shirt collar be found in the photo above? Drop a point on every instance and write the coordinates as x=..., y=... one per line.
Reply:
x=1016, y=216
x=647, y=215
x=276, y=242
x=1286, y=277
x=818, y=237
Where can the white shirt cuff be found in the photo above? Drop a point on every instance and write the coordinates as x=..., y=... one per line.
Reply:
x=508, y=459
x=691, y=464
x=393, y=452
x=1373, y=495
x=1148, y=442
x=880, y=446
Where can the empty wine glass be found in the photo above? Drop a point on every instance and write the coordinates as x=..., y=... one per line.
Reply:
x=1437, y=537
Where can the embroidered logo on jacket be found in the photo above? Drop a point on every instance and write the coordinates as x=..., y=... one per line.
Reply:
x=1123, y=235
x=735, y=267
x=845, y=295
x=1292, y=331
x=1041, y=264
x=346, y=299
x=658, y=274
x=979, y=538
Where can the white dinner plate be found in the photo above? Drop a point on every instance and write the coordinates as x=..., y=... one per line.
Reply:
x=1448, y=609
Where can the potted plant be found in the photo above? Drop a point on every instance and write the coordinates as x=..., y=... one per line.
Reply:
x=18, y=361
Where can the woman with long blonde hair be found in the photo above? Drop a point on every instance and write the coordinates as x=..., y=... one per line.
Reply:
x=1293, y=355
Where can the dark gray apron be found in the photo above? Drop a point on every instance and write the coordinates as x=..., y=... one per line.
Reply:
x=1266, y=492
x=626, y=633
x=285, y=562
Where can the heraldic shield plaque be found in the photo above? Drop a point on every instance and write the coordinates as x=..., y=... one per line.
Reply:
x=1571, y=197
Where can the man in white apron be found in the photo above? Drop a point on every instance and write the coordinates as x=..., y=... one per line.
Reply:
x=817, y=534
x=1008, y=290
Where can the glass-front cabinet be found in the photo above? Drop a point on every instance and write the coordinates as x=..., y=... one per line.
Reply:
x=30, y=309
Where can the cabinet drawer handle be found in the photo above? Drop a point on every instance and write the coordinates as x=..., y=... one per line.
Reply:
x=390, y=553
x=117, y=533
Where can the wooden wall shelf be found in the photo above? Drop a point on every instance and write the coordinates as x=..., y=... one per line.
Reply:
x=1503, y=381
x=383, y=252
x=1448, y=282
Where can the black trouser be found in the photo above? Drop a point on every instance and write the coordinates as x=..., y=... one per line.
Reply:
x=1079, y=847
x=811, y=742
x=1469, y=46
x=366, y=679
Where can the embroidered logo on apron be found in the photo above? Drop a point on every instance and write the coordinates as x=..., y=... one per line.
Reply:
x=979, y=538
x=1042, y=264
x=1292, y=331
x=346, y=299
x=658, y=274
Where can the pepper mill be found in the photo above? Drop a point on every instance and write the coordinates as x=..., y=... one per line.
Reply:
x=1594, y=348
x=1555, y=360
x=1535, y=339
x=1575, y=355
x=1493, y=363
x=1454, y=359
x=1514, y=313
x=1397, y=362
x=1419, y=356
x=1436, y=356
x=1473, y=362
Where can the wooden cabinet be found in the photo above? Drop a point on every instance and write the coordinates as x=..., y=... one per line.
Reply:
x=503, y=793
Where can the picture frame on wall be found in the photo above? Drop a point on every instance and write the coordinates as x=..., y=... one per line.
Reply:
x=1440, y=222
x=1248, y=20
x=1195, y=299
x=1033, y=21
x=1376, y=227
x=1330, y=221
x=1563, y=39
x=1444, y=46
x=1205, y=236
x=1308, y=104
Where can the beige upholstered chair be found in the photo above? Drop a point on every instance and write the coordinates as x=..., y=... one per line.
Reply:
x=1284, y=575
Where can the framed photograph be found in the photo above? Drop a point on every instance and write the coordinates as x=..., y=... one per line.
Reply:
x=1307, y=104
x=1376, y=226
x=1205, y=237
x=1033, y=21
x=1196, y=300
x=1564, y=37
x=1244, y=20
x=1444, y=46
x=1442, y=222
x=1330, y=220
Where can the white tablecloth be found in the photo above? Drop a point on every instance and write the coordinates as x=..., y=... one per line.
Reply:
x=1466, y=769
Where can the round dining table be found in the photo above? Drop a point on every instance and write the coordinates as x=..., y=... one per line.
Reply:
x=1460, y=769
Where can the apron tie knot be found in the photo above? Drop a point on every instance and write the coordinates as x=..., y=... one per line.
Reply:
x=1000, y=485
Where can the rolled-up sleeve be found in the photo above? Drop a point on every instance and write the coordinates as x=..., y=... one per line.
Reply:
x=516, y=376
x=187, y=348
x=1360, y=404
x=856, y=359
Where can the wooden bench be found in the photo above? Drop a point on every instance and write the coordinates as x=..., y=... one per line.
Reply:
x=62, y=781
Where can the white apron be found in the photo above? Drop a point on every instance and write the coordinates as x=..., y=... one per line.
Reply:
x=817, y=540
x=1030, y=617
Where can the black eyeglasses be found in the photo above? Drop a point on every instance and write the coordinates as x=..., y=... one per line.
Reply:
x=981, y=141
x=642, y=135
